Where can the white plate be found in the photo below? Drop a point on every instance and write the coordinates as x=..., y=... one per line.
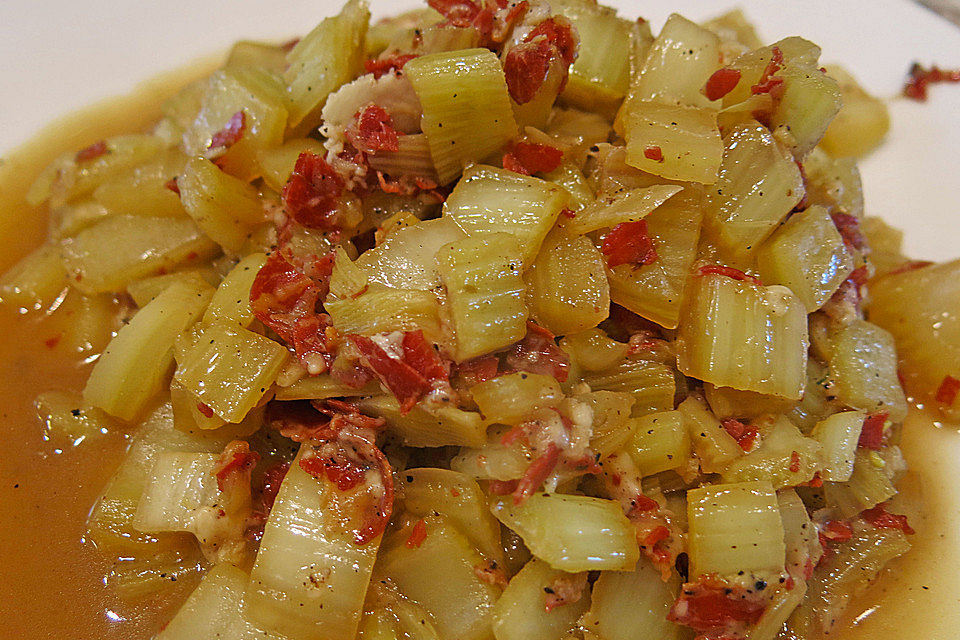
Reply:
x=60, y=55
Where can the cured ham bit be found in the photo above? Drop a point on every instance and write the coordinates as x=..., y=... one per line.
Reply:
x=629, y=243
x=529, y=158
x=880, y=518
x=722, y=82
x=492, y=19
x=235, y=465
x=381, y=66
x=281, y=295
x=264, y=495
x=491, y=573
x=536, y=474
x=373, y=131
x=715, y=608
x=312, y=194
x=564, y=590
x=417, y=535
x=745, y=435
x=729, y=272
x=526, y=65
x=653, y=153
x=538, y=353
x=231, y=133
x=173, y=185
x=475, y=371
x=871, y=435
x=948, y=389
x=92, y=152
x=342, y=450
x=836, y=531
x=849, y=228
x=921, y=78
x=768, y=82
x=409, y=378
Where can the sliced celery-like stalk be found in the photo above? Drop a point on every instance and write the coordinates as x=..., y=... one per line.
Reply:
x=324, y=386
x=231, y=300
x=921, y=310
x=612, y=426
x=155, y=573
x=145, y=290
x=623, y=206
x=488, y=200
x=259, y=95
x=734, y=528
x=838, y=435
x=656, y=291
x=450, y=86
x=868, y=486
x=380, y=310
x=326, y=58
x=485, y=292
x=594, y=350
x=445, y=426
x=407, y=258
x=758, y=185
x=412, y=158
x=660, y=442
x=741, y=335
x=809, y=102
x=633, y=605
x=521, y=612
x=784, y=458
x=799, y=534
x=143, y=190
x=733, y=403
x=136, y=362
x=713, y=445
x=457, y=497
x=459, y=602
x=672, y=141
x=224, y=207
x=600, y=76
x=36, y=281
x=508, y=399
x=114, y=252
x=567, y=285
x=492, y=460
x=652, y=384
x=807, y=255
x=231, y=368
x=679, y=62
x=310, y=575
x=864, y=368
x=862, y=122
x=64, y=414
x=572, y=533
x=214, y=610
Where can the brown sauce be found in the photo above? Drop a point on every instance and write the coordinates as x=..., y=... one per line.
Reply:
x=51, y=580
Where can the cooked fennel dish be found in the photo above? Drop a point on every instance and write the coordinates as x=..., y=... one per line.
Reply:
x=496, y=320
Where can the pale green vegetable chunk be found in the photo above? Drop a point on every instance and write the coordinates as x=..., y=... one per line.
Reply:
x=864, y=368
x=230, y=369
x=715, y=448
x=838, y=435
x=485, y=292
x=488, y=200
x=521, y=612
x=660, y=442
x=735, y=527
x=35, y=281
x=785, y=457
x=741, y=335
x=326, y=58
x=806, y=255
x=214, y=610
x=567, y=285
x=135, y=364
x=381, y=310
x=509, y=398
x=451, y=85
x=633, y=605
x=310, y=575
x=118, y=250
x=231, y=300
x=572, y=533
x=758, y=185
x=224, y=207
x=445, y=426
x=458, y=601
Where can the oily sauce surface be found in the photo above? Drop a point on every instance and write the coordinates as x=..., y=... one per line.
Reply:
x=51, y=579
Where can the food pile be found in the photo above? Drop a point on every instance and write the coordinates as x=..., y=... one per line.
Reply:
x=496, y=319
